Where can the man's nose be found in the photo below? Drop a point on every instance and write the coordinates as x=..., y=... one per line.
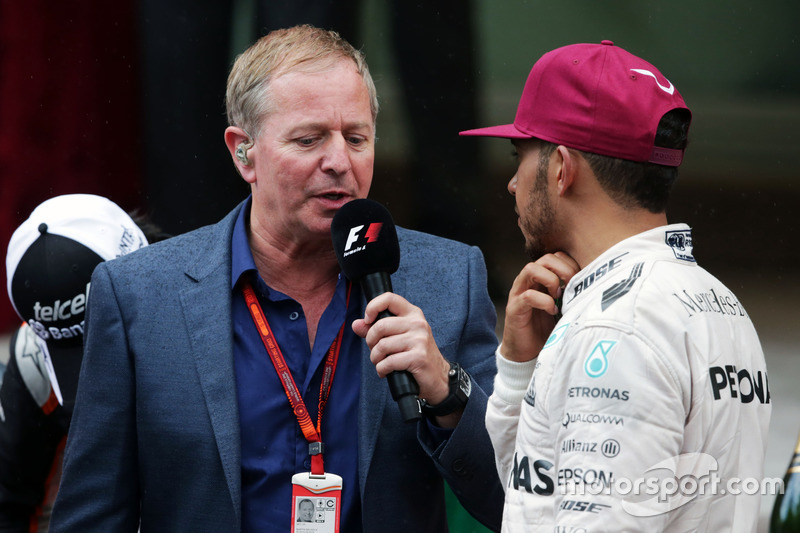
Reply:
x=337, y=156
x=512, y=185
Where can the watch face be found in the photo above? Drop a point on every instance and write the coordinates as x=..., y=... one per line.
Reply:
x=460, y=387
x=464, y=382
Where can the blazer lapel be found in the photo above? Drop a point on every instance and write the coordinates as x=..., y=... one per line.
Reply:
x=207, y=313
x=373, y=398
x=372, y=403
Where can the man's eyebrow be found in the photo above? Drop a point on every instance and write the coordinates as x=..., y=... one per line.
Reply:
x=306, y=126
x=361, y=124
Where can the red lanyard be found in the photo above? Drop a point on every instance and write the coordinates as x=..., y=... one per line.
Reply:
x=312, y=434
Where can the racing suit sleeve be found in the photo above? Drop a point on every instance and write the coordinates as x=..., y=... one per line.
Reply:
x=503, y=409
x=618, y=416
x=29, y=438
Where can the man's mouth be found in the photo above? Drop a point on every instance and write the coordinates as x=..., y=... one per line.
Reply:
x=332, y=196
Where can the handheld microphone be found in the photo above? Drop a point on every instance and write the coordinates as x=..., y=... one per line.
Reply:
x=365, y=241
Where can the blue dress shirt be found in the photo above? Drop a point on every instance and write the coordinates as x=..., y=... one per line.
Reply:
x=273, y=446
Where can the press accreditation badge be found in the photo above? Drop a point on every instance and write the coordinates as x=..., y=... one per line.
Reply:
x=316, y=501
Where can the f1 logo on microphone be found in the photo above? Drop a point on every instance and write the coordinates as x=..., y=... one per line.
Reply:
x=371, y=234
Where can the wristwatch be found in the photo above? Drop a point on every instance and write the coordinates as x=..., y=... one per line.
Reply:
x=460, y=386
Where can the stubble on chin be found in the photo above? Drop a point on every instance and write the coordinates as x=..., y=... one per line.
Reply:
x=533, y=251
x=539, y=222
x=537, y=228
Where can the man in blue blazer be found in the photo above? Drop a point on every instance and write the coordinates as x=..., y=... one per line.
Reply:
x=184, y=417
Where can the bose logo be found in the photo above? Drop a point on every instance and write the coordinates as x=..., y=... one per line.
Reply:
x=669, y=90
x=601, y=271
x=371, y=235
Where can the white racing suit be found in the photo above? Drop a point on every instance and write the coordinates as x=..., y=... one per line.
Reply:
x=646, y=410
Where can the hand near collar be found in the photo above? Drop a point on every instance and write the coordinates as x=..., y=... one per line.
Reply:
x=531, y=310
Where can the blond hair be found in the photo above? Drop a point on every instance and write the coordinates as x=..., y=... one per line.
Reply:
x=302, y=48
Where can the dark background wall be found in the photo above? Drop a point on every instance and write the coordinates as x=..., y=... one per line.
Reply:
x=72, y=83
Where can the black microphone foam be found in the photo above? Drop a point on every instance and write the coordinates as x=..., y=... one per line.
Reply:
x=365, y=241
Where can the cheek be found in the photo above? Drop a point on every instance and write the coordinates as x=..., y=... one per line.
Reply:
x=290, y=172
x=363, y=169
x=523, y=191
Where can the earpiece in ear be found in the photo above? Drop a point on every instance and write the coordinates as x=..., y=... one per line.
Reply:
x=241, y=152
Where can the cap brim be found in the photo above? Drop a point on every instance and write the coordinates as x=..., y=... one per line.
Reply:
x=506, y=131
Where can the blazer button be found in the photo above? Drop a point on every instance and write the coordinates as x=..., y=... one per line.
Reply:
x=460, y=468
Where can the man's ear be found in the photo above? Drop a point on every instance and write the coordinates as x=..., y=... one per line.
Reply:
x=567, y=167
x=239, y=143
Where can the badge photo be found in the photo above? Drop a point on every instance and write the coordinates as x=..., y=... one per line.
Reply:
x=316, y=503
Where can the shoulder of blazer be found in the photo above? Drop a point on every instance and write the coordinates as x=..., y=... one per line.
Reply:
x=417, y=248
x=413, y=240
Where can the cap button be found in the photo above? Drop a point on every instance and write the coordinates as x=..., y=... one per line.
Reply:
x=42, y=228
x=607, y=42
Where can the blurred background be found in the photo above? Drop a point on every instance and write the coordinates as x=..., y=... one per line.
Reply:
x=125, y=100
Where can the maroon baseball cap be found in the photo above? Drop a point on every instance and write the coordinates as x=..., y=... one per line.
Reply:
x=596, y=98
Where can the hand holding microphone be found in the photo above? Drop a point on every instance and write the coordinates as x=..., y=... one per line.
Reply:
x=365, y=241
